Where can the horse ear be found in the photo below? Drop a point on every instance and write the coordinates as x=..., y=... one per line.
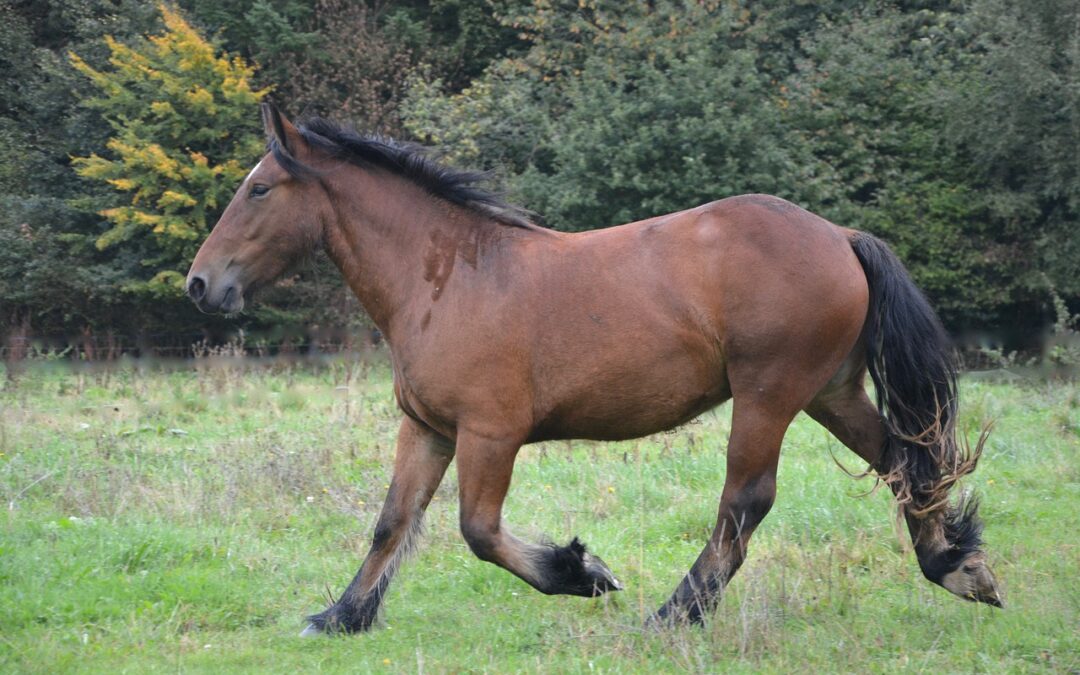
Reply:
x=279, y=128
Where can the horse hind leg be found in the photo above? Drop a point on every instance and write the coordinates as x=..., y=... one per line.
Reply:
x=749, y=491
x=947, y=538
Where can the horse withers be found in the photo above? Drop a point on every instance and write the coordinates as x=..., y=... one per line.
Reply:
x=504, y=333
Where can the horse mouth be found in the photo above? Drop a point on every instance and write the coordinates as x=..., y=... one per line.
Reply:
x=233, y=302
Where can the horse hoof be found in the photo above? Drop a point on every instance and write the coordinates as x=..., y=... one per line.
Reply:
x=603, y=579
x=311, y=631
x=671, y=616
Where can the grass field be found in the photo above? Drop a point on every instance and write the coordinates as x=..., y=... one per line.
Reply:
x=187, y=520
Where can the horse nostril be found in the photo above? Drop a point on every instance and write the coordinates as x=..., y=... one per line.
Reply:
x=196, y=288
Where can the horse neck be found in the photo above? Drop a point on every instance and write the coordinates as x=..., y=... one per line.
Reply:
x=390, y=239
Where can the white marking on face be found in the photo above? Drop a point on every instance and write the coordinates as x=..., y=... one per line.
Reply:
x=253, y=170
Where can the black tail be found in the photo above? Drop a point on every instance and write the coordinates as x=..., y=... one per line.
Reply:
x=912, y=363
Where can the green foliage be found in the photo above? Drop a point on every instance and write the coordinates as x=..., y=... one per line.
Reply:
x=184, y=135
x=461, y=38
x=1064, y=348
x=267, y=32
x=358, y=67
x=33, y=273
x=51, y=281
x=862, y=97
x=620, y=112
x=1013, y=116
x=359, y=70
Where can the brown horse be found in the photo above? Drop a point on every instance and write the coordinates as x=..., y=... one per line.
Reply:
x=505, y=333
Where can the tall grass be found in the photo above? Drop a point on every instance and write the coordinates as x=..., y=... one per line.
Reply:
x=186, y=519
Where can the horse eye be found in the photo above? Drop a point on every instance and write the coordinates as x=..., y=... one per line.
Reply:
x=258, y=190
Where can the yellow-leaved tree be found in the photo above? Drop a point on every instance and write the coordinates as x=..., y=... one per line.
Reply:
x=185, y=132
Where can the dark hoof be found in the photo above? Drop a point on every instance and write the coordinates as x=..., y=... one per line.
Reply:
x=601, y=576
x=682, y=609
x=575, y=571
x=992, y=601
x=656, y=623
x=337, y=619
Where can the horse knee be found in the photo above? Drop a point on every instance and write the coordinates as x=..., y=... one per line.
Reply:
x=481, y=539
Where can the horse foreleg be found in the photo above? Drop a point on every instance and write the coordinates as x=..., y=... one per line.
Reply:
x=749, y=491
x=421, y=461
x=484, y=470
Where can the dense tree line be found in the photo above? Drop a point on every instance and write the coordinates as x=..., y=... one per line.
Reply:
x=951, y=129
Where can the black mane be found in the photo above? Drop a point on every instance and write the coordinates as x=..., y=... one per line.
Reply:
x=408, y=160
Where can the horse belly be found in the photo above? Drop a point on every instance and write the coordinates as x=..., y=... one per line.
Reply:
x=636, y=402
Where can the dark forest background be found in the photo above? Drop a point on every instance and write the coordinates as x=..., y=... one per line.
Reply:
x=950, y=129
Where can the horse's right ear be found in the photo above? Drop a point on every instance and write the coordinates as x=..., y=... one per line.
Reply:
x=279, y=128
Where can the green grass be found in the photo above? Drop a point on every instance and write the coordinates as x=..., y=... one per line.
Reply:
x=188, y=520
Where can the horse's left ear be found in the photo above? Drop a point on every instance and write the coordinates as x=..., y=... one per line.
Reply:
x=279, y=128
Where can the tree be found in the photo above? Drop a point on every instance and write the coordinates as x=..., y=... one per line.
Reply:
x=50, y=283
x=270, y=33
x=862, y=95
x=621, y=111
x=357, y=72
x=948, y=128
x=183, y=137
x=1012, y=114
x=359, y=63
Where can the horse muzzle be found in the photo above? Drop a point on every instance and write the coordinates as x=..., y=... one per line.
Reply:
x=225, y=298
